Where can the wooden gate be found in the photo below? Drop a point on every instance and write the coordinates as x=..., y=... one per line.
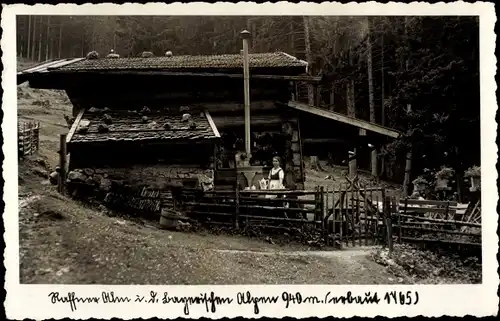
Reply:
x=355, y=215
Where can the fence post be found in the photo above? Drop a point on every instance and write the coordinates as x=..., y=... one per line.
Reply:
x=340, y=217
x=237, y=209
x=62, y=164
x=322, y=204
x=37, y=137
x=325, y=221
x=400, y=230
x=388, y=216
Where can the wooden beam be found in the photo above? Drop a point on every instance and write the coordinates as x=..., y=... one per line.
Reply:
x=246, y=87
x=345, y=119
x=215, y=108
x=212, y=124
x=63, y=154
x=236, y=121
x=322, y=140
x=307, y=79
x=75, y=125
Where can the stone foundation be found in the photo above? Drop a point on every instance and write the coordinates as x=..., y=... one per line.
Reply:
x=101, y=185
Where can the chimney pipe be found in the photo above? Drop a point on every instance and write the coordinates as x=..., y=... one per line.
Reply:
x=245, y=35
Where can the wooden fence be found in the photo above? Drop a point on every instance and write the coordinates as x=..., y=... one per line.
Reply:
x=349, y=215
x=244, y=208
x=432, y=222
x=28, y=137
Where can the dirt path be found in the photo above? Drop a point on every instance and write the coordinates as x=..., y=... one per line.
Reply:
x=64, y=242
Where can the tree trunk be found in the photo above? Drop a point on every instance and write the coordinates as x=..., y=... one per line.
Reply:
x=40, y=40
x=459, y=168
x=406, y=181
x=353, y=163
x=371, y=98
x=59, y=50
x=33, y=45
x=28, y=54
x=47, y=37
x=332, y=97
x=382, y=89
x=307, y=42
x=370, y=75
x=114, y=35
x=315, y=165
x=83, y=45
x=351, y=107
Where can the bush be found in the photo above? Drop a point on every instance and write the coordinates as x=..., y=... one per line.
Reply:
x=473, y=171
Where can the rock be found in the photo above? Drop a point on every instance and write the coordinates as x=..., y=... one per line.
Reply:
x=106, y=109
x=97, y=178
x=152, y=125
x=40, y=172
x=192, y=125
x=103, y=128
x=269, y=240
x=84, y=123
x=107, y=119
x=167, y=126
x=42, y=162
x=93, y=55
x=82, y=130
x=94, y=110
x=145, y=119
x=88, y=171
x=183, y=226
x=186, y=118
x=76, y=176
x=105, y=185
x=53, y=178
x=184, y=109
x=147, y=54
x=145, y=109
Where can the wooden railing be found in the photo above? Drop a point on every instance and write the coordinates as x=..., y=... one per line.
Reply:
x=241, y=208
x=430, y=221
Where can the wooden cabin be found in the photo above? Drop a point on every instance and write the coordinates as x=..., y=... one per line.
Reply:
x=143, y=148
x=133, y=110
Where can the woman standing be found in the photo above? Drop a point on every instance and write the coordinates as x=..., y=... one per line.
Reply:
x=276, y=178
x=276, y=175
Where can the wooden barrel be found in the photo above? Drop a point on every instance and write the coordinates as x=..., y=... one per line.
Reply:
x=168, y=219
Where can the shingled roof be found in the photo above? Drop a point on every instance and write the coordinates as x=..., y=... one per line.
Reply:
x=256, y=60
x=129, y=126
